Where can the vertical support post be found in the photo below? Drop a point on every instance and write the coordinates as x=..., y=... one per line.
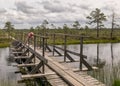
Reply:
x=43, y=54
x=34, y=42
x=81, y=52
x=40, y=43
x=21, y=36
x=46, y=42
x=65, y=42
x=34, y=46
x=24, y=37
x=53, y=44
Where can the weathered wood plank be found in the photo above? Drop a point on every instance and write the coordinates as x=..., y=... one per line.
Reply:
x=36, y=75
x=17, y=52
x=27, y=65
x=21, y=57
x=84, y=69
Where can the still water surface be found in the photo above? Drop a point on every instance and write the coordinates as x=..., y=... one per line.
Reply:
x=109, y=55
x=109, y=60
x=7, y=71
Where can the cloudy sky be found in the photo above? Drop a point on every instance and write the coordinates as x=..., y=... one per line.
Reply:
x=27, y=13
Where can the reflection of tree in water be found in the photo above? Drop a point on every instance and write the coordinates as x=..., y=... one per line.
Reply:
x=107, y=73
x=100, y=63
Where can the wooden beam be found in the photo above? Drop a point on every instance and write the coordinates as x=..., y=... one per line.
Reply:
x=48, y=48
x=86, y=64
x=40, y=57
x=36, y=75
x=30, y=58
x=21, y=57
x=71, y=52
x=84, y=69
x=36, y=68
x=27, y=65
x=69, y=57
x=17, y=52
x=58, y=52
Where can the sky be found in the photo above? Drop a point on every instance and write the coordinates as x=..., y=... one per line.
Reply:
x=26, y=13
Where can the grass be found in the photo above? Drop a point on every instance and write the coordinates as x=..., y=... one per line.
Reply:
x=4, y=42
x=116, y=83
x=86, y=41
x=3, y=45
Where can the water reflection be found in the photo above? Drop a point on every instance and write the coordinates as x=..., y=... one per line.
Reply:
x=7, y=75
x=106, y=57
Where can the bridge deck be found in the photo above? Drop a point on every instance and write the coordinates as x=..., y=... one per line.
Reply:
x=75, y=79
x=64, y=75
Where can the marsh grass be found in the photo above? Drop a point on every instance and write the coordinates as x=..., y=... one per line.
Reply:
x=116, y=83
x=4, y=42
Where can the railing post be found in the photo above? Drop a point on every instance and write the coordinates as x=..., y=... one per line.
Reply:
x=43, y=54
x=65, y=42
x=81, y=52
x=46, y=42
x=34, y=46
x=21, y=36
x=24, y=37
x=53, y=44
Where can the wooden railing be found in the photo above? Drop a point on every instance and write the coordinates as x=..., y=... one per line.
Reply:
x=43, y=43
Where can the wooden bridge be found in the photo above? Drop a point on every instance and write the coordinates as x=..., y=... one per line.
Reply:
x=40, y=59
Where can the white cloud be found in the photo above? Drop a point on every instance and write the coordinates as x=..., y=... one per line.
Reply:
x=27, y=13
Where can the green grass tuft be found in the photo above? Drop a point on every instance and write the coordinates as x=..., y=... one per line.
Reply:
x=116, y=83
x=3, y=45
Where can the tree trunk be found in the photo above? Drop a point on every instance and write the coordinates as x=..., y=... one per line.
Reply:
x=97, y=29
x=113, y=16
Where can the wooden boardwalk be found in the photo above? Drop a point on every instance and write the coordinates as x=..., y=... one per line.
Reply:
x=59, y=75
x=45, y=65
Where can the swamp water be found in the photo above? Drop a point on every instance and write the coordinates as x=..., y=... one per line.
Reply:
x=7, y=71
x=109, y=55
x=108, y=60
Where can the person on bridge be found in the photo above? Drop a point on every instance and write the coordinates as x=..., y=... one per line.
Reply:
x=30, y=37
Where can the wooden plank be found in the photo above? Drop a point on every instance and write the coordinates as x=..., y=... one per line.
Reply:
x=84, y=69
x=36, y=75
x=21, y=57
x=26, y=65
x=17, y=52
